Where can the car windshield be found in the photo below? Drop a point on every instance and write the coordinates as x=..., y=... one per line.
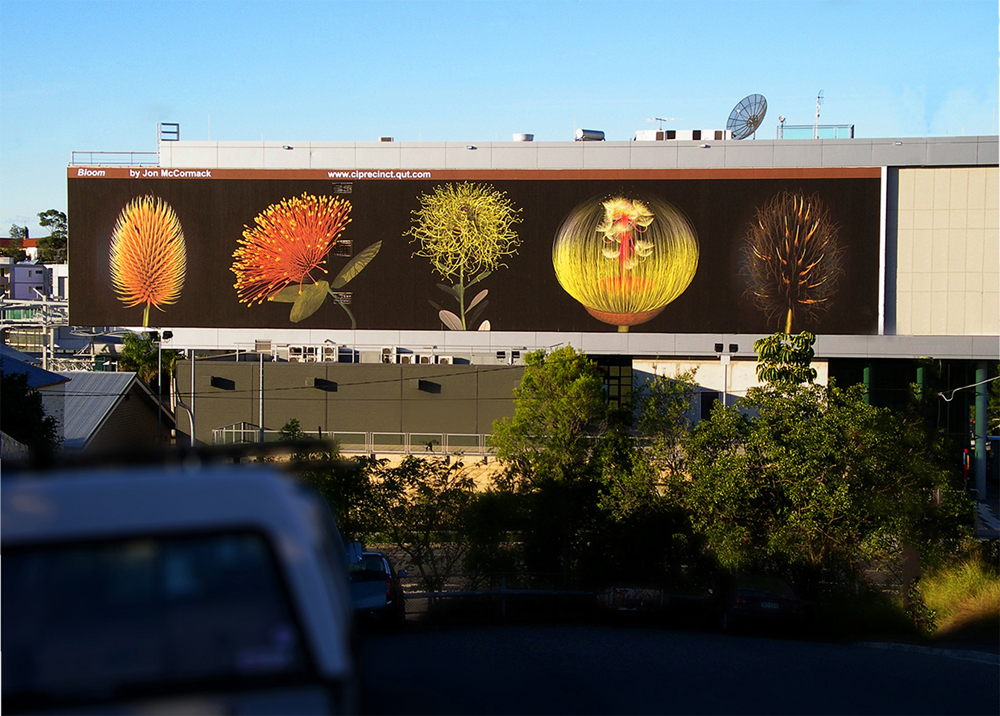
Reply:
x=99, y=619
x=370, y=568
x=765, y=585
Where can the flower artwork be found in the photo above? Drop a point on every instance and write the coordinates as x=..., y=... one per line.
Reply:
x=465, y=231
x=147, y=257
x=625, y=259
x=792, y=258
x=276, y=258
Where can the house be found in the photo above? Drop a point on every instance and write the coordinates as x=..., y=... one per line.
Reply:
x=112, y=413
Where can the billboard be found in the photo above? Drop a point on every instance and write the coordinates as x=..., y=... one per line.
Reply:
x=663, y=251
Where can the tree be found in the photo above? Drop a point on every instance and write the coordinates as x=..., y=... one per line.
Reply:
x=560, y=406
x=15, y=247
x=664, y=418
x=784, y=358
x=419, y=506
x=548, y=448
x=812, y=477
x=52, y=248
x=344, y=484
x=23, y=417
x=140, y=353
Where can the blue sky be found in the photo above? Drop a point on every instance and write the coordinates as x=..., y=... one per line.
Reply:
x=98, y=76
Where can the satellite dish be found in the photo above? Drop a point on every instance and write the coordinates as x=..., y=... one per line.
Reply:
x=747, y=116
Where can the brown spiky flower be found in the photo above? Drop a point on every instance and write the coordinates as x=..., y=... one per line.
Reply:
x=148, y=258
x=792, y=258
x=291, y=239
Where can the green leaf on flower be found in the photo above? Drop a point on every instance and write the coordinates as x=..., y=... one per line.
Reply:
x=354, y=266
x=289, y=294
x=309, y=301
x=450, y=291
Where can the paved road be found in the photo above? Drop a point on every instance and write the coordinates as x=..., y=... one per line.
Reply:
x=616, y=670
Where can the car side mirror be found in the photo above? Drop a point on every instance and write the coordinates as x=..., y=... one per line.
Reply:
x=402, y=573
x=354, y=550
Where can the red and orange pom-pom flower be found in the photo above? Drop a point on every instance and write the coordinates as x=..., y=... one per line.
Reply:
x=148, y=258
x=291, y=239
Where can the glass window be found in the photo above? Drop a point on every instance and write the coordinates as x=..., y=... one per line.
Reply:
x=88, y=620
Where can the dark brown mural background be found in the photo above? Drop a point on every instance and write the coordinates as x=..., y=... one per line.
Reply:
x=399, y=290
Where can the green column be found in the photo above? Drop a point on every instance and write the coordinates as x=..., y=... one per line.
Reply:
x=867, y=380
x=980, y=452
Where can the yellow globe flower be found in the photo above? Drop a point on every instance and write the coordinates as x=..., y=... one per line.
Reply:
x=625, y=259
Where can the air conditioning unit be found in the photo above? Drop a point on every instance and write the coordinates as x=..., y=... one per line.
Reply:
x=407, y=358
x=426, y=360
x=515, y=356
x=445, y=360
x=501, y=356
x=388, y=354
x=330, y=353
x=296, y=354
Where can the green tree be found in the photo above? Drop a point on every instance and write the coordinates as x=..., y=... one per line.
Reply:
x=23, y=417
x=344, y=484
x=560, y=409
x=811, y=477
x=419, y=506
x=664, y=418
x=52, y=248
x=15, y=247
x=548, y=448
x=784, y=358
x=140, y=353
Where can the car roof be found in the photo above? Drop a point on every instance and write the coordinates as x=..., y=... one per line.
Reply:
x=122, y=502
x=99, y=503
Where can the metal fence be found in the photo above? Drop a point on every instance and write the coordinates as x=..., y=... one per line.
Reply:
x=384, y=443
x=114, y=159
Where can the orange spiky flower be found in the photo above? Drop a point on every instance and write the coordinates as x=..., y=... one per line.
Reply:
x=291, y=239
x=147, y=256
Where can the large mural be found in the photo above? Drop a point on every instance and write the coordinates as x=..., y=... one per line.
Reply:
x=729, y=251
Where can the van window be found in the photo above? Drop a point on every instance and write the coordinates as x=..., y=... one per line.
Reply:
x=98, y=620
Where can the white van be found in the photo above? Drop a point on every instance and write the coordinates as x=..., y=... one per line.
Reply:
x=203, y=590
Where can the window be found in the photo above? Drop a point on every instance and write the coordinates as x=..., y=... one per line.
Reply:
x=93, y=619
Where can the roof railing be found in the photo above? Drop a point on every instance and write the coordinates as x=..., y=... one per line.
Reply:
x=114, y=159
x=809, y=131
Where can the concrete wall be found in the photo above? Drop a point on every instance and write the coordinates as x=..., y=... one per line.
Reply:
x=910, y=151
x=334, y=397
x=947, y=232
x=715, y=376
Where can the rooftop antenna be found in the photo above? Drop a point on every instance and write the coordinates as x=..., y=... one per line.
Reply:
x=747, y=116
x=819, y=101
x=661, y=120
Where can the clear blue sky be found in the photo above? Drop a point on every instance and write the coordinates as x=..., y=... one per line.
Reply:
x=99, y=75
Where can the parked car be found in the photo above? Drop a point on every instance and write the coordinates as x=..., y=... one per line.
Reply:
x=212, y=590
x=759, y=599
x=376, y=591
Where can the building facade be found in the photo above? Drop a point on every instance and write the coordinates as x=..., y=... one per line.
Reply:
x=389, y=351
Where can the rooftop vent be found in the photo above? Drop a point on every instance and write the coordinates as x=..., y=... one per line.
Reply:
x=385, y=139
x=589, y=135
x=521, y=137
